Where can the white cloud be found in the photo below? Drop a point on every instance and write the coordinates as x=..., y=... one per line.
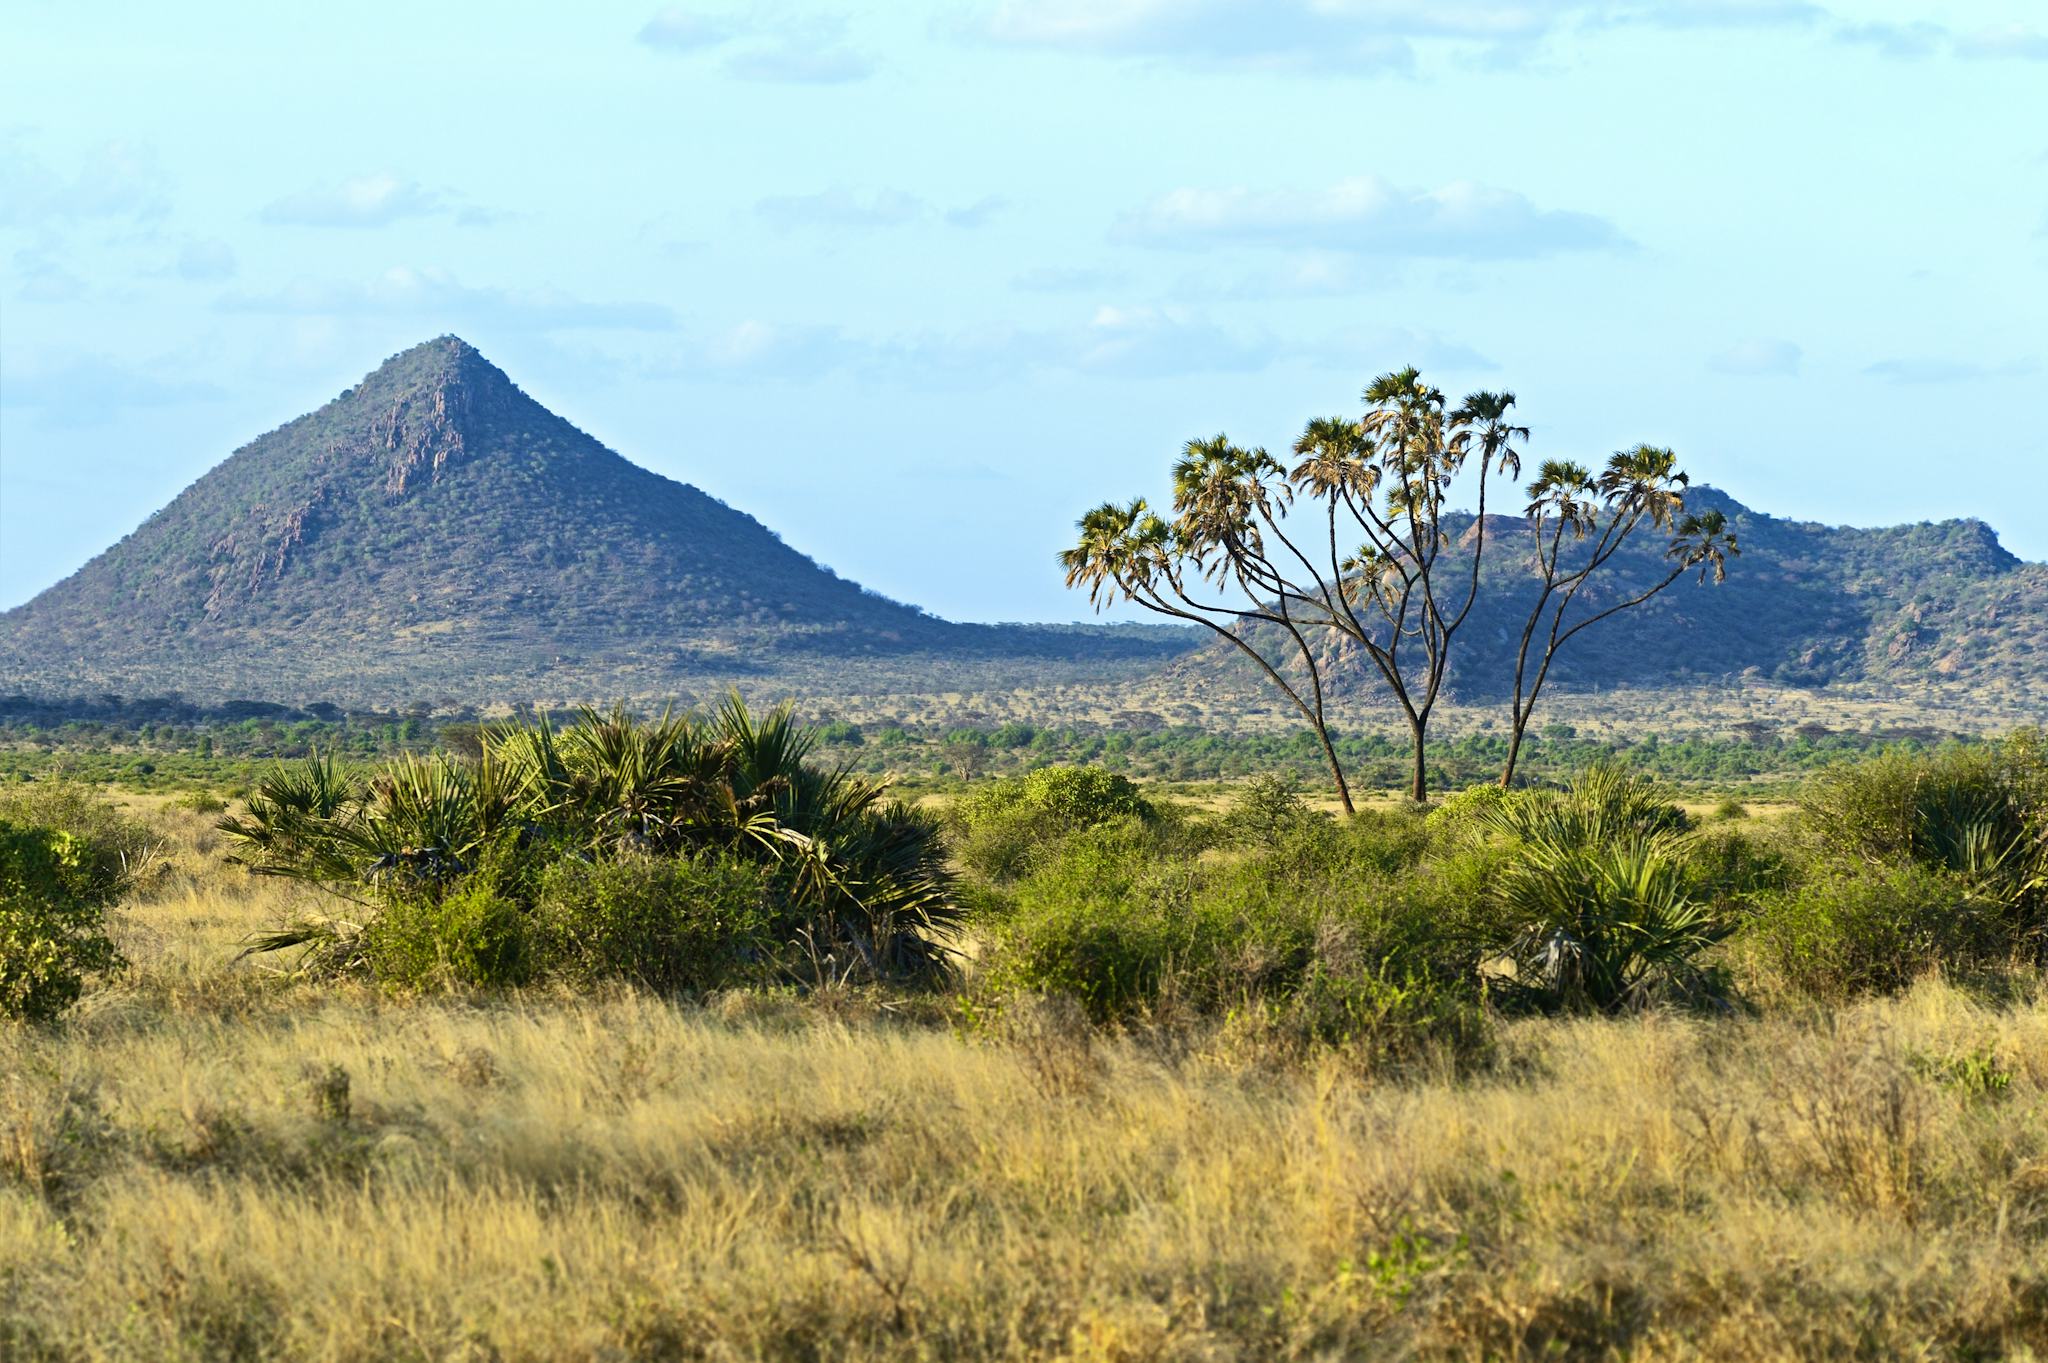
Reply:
x=679, y=30
x=367, y=201
x=841, y=207
x=208, y=259
x=795, y=63
x=1460, y=221
x=811, y=52
x=85, y=389
x=1066, y=279
x=1142, y=342
x=114, y=180
x=1758, y=356
x=438, y=299
x=1903, y=41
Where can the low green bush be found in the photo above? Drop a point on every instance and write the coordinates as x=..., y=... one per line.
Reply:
x=1310, y=935
x=1848, y=928
x=54, y=889
x=475, y=935
x=1009, y=826
x=691, y=924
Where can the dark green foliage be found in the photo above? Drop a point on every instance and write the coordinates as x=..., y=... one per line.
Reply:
x=1596, y=890
x=1009, y=826
x=1317, y=934
x=1914, y=863
x=1848, y=928
x=57, y=876
x=474, y=935
x=1266, y=810
x=671, y=924
x=851, y=874
x=1979, y=814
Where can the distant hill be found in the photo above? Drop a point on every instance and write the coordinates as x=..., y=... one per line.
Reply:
x=434, y=532
x=1805, y=605
x=435, y=535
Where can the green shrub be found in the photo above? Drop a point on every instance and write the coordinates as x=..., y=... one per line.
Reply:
x=1598, y=890
x=1980, y=814
x=1012, y=824
x=1607, y=926
x=866, y=875
x=1310, y=936
x=1849, y=928
x=474, y=935
x=54, y=889
x=112, y=850
x=674, y=925
x=1265, y=810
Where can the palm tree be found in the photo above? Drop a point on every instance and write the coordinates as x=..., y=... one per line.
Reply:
x=1568, y=506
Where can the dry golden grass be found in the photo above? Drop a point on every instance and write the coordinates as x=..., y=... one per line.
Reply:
x=205, y=1163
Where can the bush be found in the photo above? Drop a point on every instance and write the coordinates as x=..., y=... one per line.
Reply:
x=475, y=935
x=54, y=889
x=1008, y=827
x=1980, y=814
x=1266, y=809
x=692, y=924
x=1850, y=928
x=1597, y=886
x=1310, y=936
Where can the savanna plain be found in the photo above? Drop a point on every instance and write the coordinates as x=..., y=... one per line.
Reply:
x=1052, y=1066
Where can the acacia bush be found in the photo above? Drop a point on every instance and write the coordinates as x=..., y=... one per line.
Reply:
x=1335, y=934
x=1009, y=825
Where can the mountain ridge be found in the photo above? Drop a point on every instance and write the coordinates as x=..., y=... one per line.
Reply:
x=434, y=531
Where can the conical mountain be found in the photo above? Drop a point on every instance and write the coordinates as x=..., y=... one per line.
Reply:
x=435, y=529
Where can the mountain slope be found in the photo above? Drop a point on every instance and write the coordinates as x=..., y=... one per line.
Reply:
x=434, y=530
x=1805, y=605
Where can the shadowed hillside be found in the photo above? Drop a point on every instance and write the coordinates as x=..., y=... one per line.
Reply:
x=1805, y=605
x=435, y=531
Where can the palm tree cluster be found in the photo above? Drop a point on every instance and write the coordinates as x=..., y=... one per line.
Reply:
x=1361, y=570
x=861, y=876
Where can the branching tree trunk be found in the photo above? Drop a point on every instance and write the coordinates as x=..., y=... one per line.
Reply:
x=1282, y=600
x=1568, y=509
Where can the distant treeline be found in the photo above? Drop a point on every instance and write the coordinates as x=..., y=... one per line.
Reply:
x=173, y=743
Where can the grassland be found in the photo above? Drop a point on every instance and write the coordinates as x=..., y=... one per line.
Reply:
x=206, y=1161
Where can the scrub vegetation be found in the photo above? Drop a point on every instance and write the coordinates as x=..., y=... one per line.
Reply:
x=599, y=1071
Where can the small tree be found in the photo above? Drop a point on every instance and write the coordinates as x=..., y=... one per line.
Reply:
x=1393, y=599
x=1279, y=583
x=1570, y=511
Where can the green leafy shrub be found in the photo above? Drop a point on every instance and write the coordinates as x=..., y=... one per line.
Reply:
x=53, y=895
x=1979, y=814
x=862, y=876
x=1311, y=936
x=1848, y=928
x=1266, y=809
x=1011, y=824
x=694, y=924
x=474, y=935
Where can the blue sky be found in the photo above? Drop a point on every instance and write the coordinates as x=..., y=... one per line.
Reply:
x=916, y=284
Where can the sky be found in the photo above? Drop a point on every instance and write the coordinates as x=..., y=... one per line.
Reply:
x=918, y=283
